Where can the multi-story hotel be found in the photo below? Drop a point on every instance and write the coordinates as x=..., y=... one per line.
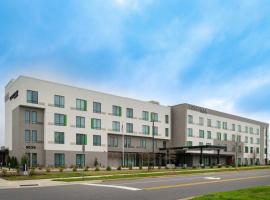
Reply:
x=52, y=123
x=60, y=125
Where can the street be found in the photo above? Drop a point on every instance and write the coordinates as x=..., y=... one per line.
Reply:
x=159, y=188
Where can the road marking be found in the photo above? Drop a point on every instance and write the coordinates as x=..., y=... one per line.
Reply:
x=115, y=186
x=212, y=178
x=204, y=182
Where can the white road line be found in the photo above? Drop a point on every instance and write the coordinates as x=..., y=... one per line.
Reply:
x=115, y=186
x=212, y=178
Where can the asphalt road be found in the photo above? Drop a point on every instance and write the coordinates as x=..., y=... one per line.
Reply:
x=170, y=187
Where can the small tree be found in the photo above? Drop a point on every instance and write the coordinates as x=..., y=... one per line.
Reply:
x=96, y=162
x=24, y=160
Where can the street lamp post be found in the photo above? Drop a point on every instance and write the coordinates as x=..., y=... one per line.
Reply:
x=153, y=141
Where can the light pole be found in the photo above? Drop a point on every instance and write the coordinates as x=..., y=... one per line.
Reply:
x=236, y=151
x=153, y=141
x=123, y=146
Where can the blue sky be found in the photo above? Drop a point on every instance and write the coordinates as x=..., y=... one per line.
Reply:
x=210, y=53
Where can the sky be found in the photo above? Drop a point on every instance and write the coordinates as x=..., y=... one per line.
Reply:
x=210, y=53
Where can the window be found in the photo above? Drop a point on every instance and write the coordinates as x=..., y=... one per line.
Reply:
x=96, y=107
x=219, y=124
x=59, y=160
x=59, y=138
x=233, y=137
x=155, y=130
x=233, y=127
x=154, y=116
x=143, y=143
x=190, y=132
x=238, y=138
x=59, y=101
x=117, y=111
x=246, y=149
x=167, y=132
x=201, y=121
x=81, y=139
x=27, y=117
x=34, y=117
x=225, y=137
x=257, y=131
x=145, y=129
x=34, y=159
x=200, y=143
x=32, y=96
x=251, y=130
x=239, y=128
x=246, y=129
x=209, y=135
x=60, y=119
x=224, y=125
x=190, y=119
x=251, y=149
x=257, y=140
x=246, y=139
x=251, y=140
x=27, y=136
x=34, y=136
x=116, y=126
x=209, y=122
x=96, y=123
x=239, y=149
x=129, y=113
x=189, y=143
x=81, y=104
x=218, y=136
x=129, y=128
x=113, y=141
x=167, y=119
x=96, y=140
x=145, y=115
x=201, y=133
x=80, y=122
x=257, y=150
x=80, y=160
x=127, y=142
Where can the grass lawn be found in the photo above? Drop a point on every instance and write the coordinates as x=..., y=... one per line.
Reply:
x=261, y=193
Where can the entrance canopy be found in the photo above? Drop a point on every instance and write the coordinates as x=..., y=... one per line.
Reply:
x=199, y=147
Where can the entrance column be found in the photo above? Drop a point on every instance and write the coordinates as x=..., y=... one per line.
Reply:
x=218, y=156
x=201, y=154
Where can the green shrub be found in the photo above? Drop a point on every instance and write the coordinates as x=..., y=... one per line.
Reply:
x=109, y=168
x=48, y=169
x=61, y=169
x=194, y=167
x=32, y=172
x=96, y=162
x=130, y=167
x=4, y=172
x=74, y=169
x=159, y=167
x=140, y=167
x=97, y=168
x=119, y=168
x=86, y=168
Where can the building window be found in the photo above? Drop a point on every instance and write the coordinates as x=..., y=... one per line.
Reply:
x=167, y=119
x=225, y=137
x=59, y=138
x=251, y=149
x=34, y=136
x=34, y=117
x=238, y=138
x=219, y=124
x=59, y=160
x=96, y=140
x=218, y=136
x=145, y=115
x=81, y=139
x=116, y=126
x=246, y=149
x=145, y=129
x=233, y=137
x=27, y=117
x=166, y=132
x=96, y=123
x=224, y=125
x=27, y=136
x=257, y=150
x=117, y=111
x=81, y=104
x=155, y=131
x=96, y=107
x=190, y=132
x=246, y=129
x=239, y=128
x=251, y=130
x=143, y=143
x=190, y=119
x=59, y=101
x=154, y=117
x=80, y=160
x=209, y=136
x=127, y=143
x=246, y=139
x=80, y=122
x=257, y=131
x=129, y=128
x=239, y=149
x=34, y=159
x=113, y=141
x=209, y=122
x=201, y=121
x=189, y=143
x=60, y=119
x=32, y=96
x=233, y=127
x=258, y=140
x=200, y=143
x=251, y=140
x=129, y=113
x=201, y=133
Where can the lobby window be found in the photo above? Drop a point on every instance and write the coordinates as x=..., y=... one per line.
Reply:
x=59, y=160
x=201, y=121
x=81, y=104
x=167, y=119
x=117, y=111
x=145, y=115
x=96, y=140
x=154, y=117
x=80, y=160
x=155, y=131
x=59, y=101
x=145, y=129
x=116, y=126
x=129, y=128
x=189, y=143
x=32, y=96
x=96, y=107
x=251, y=140
x=190, y=132
x=129, y=112
x=34, y=159
x=81, y=139
x=233, y=127
x=201, y=133
x=127, y=143
x=60, y=119
x=225, y=137
x=246, y=149
x=209, y=122
x=190, y=119
x=246, y=139
x=239, y=128
x=113, y=141
x=59, y=138
x=34, y=117
x=80, y=122
x=218, y=136
x=96, y=123
x=143, y=143
x=218, y=124
x=27, y=116
x=225, y=125
x=27, y=136
x=34, y=136
x=166, y=132
x=209, y=135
